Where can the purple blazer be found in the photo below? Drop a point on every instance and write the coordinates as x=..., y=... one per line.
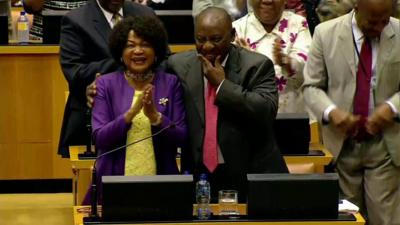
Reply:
x=113, y=99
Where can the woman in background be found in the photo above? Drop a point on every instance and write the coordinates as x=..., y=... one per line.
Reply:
x=282, y=36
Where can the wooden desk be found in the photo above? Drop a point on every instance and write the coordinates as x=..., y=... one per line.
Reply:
x=318, y=161
x=82, y=211
x=81, y=170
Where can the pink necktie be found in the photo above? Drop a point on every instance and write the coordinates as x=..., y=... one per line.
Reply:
x=361, y=98
x=210, y=145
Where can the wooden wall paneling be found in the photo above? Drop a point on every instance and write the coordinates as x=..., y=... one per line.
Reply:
x=34, y=116
x=36, y=161
x=8, y=127
x=9, y=161
x=34, y=99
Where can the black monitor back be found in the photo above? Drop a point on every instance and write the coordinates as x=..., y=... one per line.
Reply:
x=3, y=29
x=179, y=25
x=52, y=25
x=147, y=198
x=292, y=133
x=293, y=196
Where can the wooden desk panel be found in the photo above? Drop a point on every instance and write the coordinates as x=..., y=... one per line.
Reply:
x=82, y=211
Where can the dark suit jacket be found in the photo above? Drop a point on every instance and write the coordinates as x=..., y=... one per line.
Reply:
x=83, y=53
x=247, y=101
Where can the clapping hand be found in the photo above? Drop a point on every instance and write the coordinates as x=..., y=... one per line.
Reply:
x=242, y=43
x=380, y=119
x=149, y=107
x=134, y=109
x=346, y=122
x=277, y=52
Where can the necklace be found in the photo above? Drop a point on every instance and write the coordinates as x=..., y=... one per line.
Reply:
x=139, y=76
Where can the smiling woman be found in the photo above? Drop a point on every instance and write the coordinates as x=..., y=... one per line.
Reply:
x=127, y=105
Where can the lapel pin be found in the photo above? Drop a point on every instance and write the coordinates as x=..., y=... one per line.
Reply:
x=163, y=101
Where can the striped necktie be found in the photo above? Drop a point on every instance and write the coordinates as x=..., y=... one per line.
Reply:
x=116, y=18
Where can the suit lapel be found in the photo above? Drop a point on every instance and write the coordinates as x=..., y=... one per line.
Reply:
x=346, y=44
x=385, y=48
x=194, y=80
x=232, y=66
x=100, y=23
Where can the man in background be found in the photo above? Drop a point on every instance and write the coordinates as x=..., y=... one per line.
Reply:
x=83, y=54
x=352, y=84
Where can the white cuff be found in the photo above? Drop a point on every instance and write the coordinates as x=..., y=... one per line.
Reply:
x=325, y=116
x=219, y=86
x=393, y=108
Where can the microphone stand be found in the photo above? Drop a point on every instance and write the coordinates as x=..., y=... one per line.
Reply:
x=94, y=216
x=88, y=154
x=93, y=204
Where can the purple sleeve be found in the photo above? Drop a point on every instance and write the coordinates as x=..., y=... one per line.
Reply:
x=176, y=135
x=108, y=131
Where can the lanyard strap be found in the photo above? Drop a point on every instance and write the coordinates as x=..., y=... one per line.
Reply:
x=358, y=53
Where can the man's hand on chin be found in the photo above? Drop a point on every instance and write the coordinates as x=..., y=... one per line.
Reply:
x=215, y=74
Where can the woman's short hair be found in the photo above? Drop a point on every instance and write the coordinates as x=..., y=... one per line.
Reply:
x=149, y=28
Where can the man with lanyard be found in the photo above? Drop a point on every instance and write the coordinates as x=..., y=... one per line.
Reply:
x=352, y=84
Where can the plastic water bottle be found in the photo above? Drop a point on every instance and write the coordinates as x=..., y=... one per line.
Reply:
x=203, y=192
x=23, y=28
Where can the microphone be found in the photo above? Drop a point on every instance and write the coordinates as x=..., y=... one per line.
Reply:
x=93, y=212
x=88, y=154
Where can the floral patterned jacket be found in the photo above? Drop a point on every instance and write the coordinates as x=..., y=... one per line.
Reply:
x=295, y=40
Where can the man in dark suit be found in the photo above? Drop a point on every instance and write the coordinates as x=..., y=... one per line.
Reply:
x=231, y=102
x=83, y=54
